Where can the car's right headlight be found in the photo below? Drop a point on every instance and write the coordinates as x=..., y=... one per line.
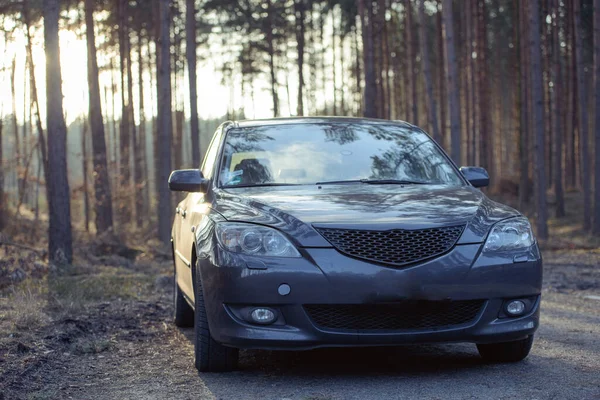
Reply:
x=513, y=234
x=255, y=240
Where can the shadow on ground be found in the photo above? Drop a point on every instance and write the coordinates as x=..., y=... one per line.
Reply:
x=409, y=359
x=562, y=365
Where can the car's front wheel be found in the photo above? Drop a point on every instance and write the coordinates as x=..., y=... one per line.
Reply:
x=211, y=356
x=506, y=351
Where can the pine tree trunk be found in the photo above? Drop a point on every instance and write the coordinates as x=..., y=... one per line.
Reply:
x=475, y=79
x=287, y=91
x=116, y=161
x=142, y=199
x=299, y=10
x=190, y=50
x=165, y=125
x=34, y=95
x=411, y=91
x=524, y=186
x=370, y=90
x=485, y=123
x=312, y=60
x=271, y=54
x=154, y=78
x=471, y=85
x=84, y=172
x=387, y=100
x=124, y=148
x=406, y=71
x=2, y=199
x=31, y=140
x=596, y=217
x=59, y=202
x=24, y=177
x=432, y=107
x=15, y=125
x=379, y=32
x=569, y=113
x=178, y=140
x=132, y=197
x=334, y=61
x=467, y=153
x=452, y=81
x=37, y=186
x=25, y=159
x=583, y=118
x=557, y=96
x=442, y=80
x=547, y=68
x=102, y=190
x=396, y=84
x=357, y=72
x=108, y=131
x=537, y=95
x=343, y=69
x=322, y=53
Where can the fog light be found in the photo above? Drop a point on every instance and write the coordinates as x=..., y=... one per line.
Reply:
x=515, y=308
x=263, y=316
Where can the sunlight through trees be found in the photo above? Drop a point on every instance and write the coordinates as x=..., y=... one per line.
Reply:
x=512, y=86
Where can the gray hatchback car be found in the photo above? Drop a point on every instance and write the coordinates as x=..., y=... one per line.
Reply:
x=301, y=233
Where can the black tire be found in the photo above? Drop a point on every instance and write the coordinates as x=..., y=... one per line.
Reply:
x=507, y=351
x=210, y=355
x=184, y=314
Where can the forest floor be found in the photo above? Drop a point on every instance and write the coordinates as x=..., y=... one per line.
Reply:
x=102, y=330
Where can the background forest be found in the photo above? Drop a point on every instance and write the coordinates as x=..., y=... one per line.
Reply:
x=510, y=85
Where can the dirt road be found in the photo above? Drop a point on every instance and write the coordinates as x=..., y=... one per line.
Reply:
x=128, y=349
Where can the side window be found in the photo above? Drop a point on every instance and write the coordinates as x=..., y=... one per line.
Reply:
x=211, y=155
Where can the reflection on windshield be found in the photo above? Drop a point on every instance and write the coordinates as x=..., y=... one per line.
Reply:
x=310, y=153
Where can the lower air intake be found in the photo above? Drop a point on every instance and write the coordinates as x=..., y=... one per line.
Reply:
x=406, y=315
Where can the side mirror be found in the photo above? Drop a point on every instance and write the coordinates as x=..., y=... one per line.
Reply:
x=188, y=180
x=476, y=175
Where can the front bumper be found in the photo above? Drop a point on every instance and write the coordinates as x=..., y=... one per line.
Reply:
x=324, y=276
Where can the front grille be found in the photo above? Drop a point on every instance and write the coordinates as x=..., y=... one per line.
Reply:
x=397, y=247
x=406, y=315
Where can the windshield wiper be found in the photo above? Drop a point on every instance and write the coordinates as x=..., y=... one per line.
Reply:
x=394, y=182
x=376, y=182
x=339, y=182
x=266, y=184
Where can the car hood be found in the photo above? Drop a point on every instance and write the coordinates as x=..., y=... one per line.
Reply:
x=297, y=210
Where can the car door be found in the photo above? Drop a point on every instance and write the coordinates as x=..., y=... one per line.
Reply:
x=190, y=213
x=182, y=262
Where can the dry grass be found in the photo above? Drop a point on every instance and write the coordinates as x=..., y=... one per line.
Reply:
x=50, y=315
x=101, y=284
x=24, y=307
x=86, y=345
x=37, y=307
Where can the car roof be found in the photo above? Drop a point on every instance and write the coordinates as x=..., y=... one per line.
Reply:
x=319, y=120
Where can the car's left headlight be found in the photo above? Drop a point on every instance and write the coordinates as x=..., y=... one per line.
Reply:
x=510, y=235
x=254, y=240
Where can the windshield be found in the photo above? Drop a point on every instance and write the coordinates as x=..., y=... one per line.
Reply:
x=336, y=152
